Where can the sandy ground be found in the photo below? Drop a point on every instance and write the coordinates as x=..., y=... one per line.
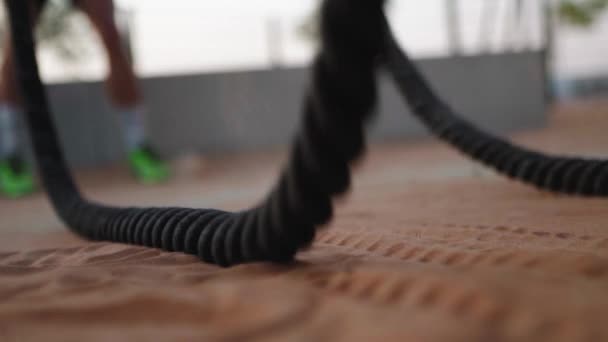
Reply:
x=427, y=247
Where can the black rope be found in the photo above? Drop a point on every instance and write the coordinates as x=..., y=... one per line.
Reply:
x=585, y=177
x=342, y=95
x=355, y=37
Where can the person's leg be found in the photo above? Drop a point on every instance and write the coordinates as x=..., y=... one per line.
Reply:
x=121, y=82
x=9, y=94
x=124, y=92
x=9, y=103
x=16, y=179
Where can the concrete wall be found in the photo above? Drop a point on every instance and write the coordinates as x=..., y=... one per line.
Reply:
x=257, y=109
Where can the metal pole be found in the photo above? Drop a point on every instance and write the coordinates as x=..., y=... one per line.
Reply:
x=549, y=48
x=275, y=42
x=488, y=25
x=453, y=26
x=521, y=23
x=513, y=24
x=124, y=18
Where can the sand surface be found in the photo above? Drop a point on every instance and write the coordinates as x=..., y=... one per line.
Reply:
x=427, y=247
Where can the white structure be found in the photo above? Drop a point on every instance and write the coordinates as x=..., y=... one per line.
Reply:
x=185, y=36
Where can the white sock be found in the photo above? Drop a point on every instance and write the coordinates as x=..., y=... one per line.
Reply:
x=9, y=139
x=133, y=126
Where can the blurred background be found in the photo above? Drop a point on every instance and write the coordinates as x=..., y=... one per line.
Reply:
x=425, y=233
x=224, y=76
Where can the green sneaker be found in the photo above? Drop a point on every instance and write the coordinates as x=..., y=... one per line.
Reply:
x=16, y=180
x=147, y=166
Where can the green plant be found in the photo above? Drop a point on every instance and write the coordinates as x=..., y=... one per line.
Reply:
x=56, y=30
x=309, y=28
x=581, y=13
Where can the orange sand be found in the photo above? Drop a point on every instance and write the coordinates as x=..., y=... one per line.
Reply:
x=428, y=247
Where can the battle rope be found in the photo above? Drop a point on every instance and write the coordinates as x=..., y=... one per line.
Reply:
x=585, y=177
x=342, y=95
x=355, y=38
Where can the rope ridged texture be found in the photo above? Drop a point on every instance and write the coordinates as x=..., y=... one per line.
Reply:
x=342, y=95
x=578, y=176
x=355, y=39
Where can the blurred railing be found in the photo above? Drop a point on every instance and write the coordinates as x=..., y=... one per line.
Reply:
x=495, y=25
x=179, y=53
x=195, y=36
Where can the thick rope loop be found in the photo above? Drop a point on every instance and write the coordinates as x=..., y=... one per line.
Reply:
x=569, y=175
x=342, y=94
x=355, y=39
